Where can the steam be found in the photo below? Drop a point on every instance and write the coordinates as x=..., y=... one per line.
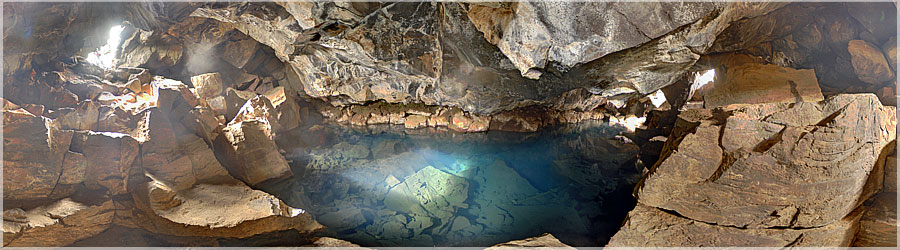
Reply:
x=201, y=58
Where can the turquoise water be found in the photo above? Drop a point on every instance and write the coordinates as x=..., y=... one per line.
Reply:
x=386, y=186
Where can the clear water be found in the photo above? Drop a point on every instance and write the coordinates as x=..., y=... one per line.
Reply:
x=391, y=187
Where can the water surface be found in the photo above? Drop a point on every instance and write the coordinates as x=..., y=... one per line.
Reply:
x=387, y=186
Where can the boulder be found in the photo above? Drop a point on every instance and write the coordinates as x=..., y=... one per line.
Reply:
x=234, y=101
x=869, y=63
x=222, y=210
x=647, y=226
x=342, y=219
x=286, y=107
x=544, y=241
x=57, y=224
x=330, y=242
x=878, y=225
x=890, y=52
x=752, y=83
x=34, y=149
x=207, y=85
x=177, y=157
x=250, y=153
x=108, y=156
x=772, y=165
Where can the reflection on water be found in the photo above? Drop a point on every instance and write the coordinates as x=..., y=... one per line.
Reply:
x=431, y=188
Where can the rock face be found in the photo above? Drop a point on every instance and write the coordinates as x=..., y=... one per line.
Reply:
x=717, y=173
x=878, y=226
x=57, y=224
x=250, y=152
x=34, y=149
x=751, y=83
x=651, y=227
x=869, y=63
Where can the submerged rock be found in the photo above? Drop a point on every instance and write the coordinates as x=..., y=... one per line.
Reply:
x=430, y=192
x=813, y=161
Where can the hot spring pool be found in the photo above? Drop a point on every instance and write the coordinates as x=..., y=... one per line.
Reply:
x=391, y=187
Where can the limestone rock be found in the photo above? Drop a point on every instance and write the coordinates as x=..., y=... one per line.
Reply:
x=647, y=226
x=878, y=225
x=251, y=153
x=208, y=85
x=58, y=224
x=225, y=210
x=544, y=241
x=769, y=165
x=869, y=63
x=763, y=83
x=33, y=154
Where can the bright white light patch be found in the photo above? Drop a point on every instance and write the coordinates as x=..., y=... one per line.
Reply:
x=105, y=56
x=657, y=98
x=704, y=78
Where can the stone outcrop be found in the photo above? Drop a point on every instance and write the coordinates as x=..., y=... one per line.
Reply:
x=57, y=224
x=878, y=225
x=34, y=152
x=751, y=83
x=770, y=165
x=869, y=63
x=247, y=145
x=647, y=226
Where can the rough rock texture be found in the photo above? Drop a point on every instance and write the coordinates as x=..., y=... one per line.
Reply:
x=878, y=225
x=869, y=63
x=57, y=224
x=429, y=192
x=226, y=210
x=890, y=174
x=647, y=226
x=763, y=83
x=249, y=152
x=772, y=165
x=544, y=241
x=34, y=149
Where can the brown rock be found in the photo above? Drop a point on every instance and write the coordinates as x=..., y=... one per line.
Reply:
x=82, y=117
x=771, y=165
x=519, y=120
x=415, y=121
x=57, y=224
x=462, y=122
x=176, y=157
x=646, y=226
x=226, y=210
x=286, y=107
x=869, y=62
x=208, y=85
x=878, y=225
x=238, y=53
x=109, y=157
x=331, y=242
x=890, y=174
x=33, y=152
x=751, y=83
x=74, y=168
x=234, y=100
x=544, y=241
x=251, y=152
x=890, y=52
